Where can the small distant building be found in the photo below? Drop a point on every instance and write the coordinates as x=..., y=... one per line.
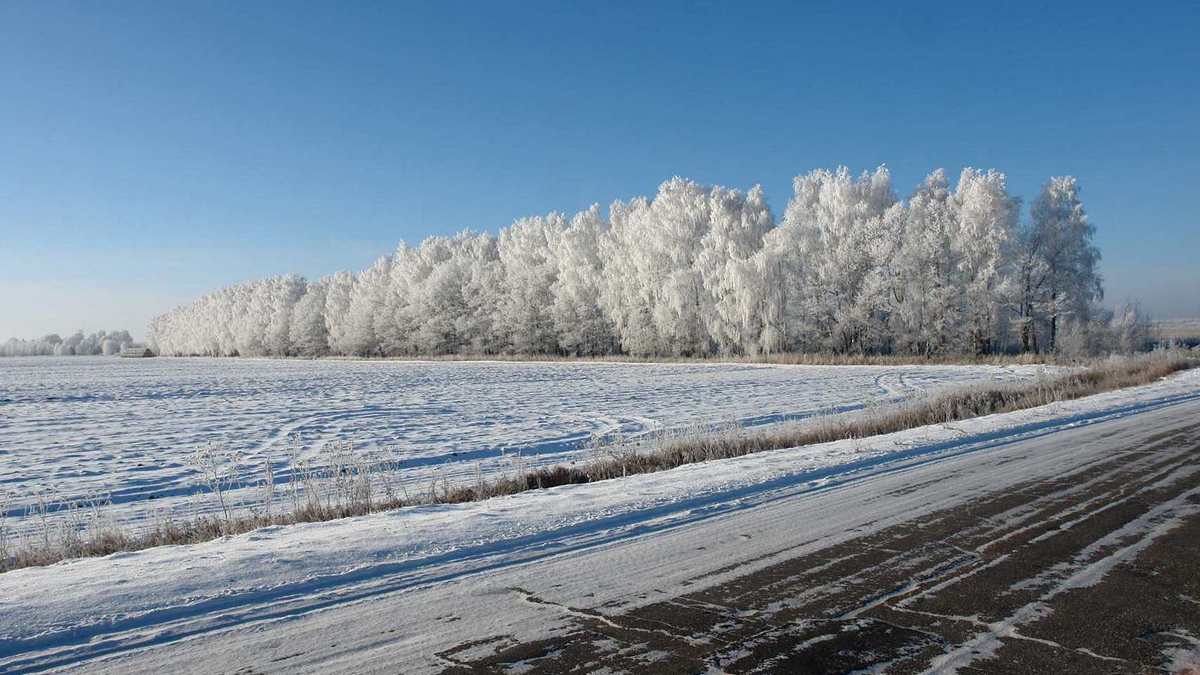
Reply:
x=136, y=352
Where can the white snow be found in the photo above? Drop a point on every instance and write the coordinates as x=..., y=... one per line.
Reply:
x=79, y=427
x=85, y=608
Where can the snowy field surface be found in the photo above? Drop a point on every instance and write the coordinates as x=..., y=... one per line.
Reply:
x=125, y=429
x=79, y=610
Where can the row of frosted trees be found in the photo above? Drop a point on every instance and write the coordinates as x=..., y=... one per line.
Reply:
x=78, y=344
x=699, y=270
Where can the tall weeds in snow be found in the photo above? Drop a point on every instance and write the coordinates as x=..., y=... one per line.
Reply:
x=267, y=487
x=340, y=480
x=5, y=544
x=58, y=530
x=217, y=469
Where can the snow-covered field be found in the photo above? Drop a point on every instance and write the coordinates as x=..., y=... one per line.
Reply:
x=125, y=428
x=393, y=575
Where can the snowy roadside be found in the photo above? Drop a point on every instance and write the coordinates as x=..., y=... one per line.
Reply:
x=124, y=432
x=76, y=601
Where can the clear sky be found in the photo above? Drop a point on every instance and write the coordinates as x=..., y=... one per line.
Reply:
x=152, y=152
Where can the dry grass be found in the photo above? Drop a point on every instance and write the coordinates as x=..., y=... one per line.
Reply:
x=948, y=406
x=1184, y=332
x=345, y=483
x=784, y=358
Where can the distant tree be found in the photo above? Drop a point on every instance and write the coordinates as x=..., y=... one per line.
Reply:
x=1131, y=328
x=828, y=228
x=437, y=303
x=367, y=297
x=734, y=305
x=926, y=298
x=307, y=332
x=530, y=271
x=579, y=321
x=695, y=270
x=91, y=344
x=668, y=281
x=476, y=257
x=283, y=293
x=985, y=236
x=1057, y=276
x=339, y=290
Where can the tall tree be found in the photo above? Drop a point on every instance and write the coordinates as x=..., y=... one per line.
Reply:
x=366, y=302
x=307, y=333
x=579, y=322
x=338, y=292
x=986, y=218
x=829, y=225
x=926, y=297
x=735, y=306
x=530, y=271
x=1057, y=275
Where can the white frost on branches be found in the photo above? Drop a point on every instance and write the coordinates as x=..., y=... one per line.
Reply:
x=699, y=270
x=100, y=343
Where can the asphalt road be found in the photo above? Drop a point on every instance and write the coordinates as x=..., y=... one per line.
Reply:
x=1096, y=570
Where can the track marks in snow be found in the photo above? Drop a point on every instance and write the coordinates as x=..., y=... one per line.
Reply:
x=79, y=427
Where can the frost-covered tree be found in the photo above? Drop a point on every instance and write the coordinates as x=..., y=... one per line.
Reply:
x=1131, y=328
x=927, y=301
x=986, y=221
x=251, y=313
x=92, y=344
x=661, y=290
x=307, y=332
x=437, y=300
x=282, y=294
x=477, y=259
x=366, y=302
x=875, y=302
x=523, y=316
x=735, y=307
x=626, y=294
x=112, y=343
x=110, y=347
x=338, y=292
x=951, y=267
x=696, y=270
x=68, y=346
x=395, y=324
x=670, y=230
x=581, y=325
x=439, y=296
x=1057, y=277
x=828, y=230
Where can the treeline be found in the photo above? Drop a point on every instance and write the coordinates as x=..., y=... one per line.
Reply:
x=95, y=344
x=701, y=270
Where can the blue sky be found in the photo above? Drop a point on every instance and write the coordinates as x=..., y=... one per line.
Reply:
x=151, y=152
